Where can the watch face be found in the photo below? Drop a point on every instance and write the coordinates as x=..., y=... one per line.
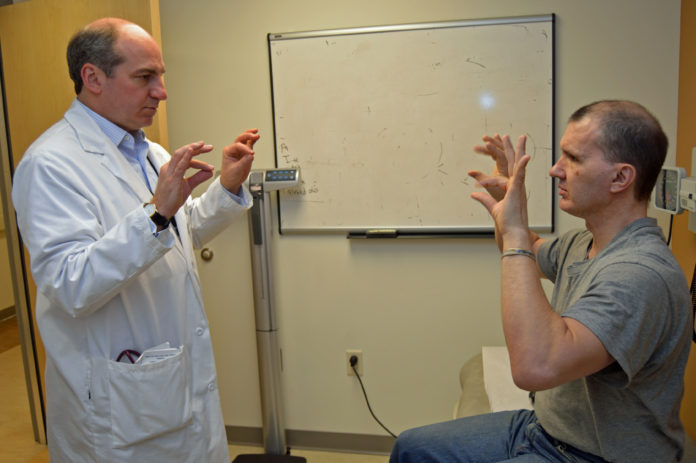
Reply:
x=149, y=209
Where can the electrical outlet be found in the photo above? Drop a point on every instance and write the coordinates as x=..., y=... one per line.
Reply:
x=358, y=366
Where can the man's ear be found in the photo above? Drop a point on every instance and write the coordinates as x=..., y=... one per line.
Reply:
x=92, y=78
x=624, y=177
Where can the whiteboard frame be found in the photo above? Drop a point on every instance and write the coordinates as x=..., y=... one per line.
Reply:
x=407, y=27
x=417, y=232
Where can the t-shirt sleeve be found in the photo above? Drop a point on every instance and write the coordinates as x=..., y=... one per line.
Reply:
x=622, y=307
x=548, y=257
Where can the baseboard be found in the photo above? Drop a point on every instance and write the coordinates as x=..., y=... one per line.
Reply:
x=315, y=440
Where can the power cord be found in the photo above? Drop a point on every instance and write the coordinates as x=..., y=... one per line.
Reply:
x=354, y=361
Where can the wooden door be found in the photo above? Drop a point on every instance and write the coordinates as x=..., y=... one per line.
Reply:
x=684, y=242
x=33, y=39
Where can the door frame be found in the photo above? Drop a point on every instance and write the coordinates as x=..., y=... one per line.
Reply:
x=19, y=278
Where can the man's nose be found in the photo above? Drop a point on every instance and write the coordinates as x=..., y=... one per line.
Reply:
x=556, y=170
x=159, y=91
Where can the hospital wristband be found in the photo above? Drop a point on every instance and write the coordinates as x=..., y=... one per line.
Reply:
x=518, y=252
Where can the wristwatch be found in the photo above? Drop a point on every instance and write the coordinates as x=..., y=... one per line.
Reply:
x=157, y=218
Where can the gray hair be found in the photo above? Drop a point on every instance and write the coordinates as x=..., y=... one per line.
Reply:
x=95, y=45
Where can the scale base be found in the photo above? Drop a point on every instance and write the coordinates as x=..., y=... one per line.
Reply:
x=267, y=458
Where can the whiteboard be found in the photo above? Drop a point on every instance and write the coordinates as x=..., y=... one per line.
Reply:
x=381, y=122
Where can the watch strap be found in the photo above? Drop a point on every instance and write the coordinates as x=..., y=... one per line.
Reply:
x=157, y=218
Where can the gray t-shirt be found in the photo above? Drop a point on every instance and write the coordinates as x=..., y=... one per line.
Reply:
x=633, y=296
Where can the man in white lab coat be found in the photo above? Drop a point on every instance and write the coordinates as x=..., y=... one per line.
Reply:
x=110, y=227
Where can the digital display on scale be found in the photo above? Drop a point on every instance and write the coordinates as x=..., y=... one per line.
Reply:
x=278, y=179
x=273, y=179
x=281, y=175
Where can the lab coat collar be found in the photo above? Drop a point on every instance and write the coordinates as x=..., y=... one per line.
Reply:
x=94, y=141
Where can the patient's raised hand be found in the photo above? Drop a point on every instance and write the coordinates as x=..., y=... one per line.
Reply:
x=496, y=182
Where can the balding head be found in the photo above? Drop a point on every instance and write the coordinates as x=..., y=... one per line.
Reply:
x=118, y=72
x=96, y=44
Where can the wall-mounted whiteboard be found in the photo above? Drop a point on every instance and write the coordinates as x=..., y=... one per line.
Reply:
x=382, y=121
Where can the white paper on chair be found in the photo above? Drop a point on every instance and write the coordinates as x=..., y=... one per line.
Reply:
x=497, y=380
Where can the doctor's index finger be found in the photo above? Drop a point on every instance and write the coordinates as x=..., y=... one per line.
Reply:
x=182, y=157
x=248, y=138
x=193, y=149
x=200, y=165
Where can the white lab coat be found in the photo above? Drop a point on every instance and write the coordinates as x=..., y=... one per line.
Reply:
x=105, y=284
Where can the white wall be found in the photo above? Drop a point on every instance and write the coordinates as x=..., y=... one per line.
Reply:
x=417, y=308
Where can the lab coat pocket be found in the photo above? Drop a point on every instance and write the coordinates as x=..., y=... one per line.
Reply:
x=148, y=400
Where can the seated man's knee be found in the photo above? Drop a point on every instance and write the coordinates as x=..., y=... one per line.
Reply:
x=411, y=445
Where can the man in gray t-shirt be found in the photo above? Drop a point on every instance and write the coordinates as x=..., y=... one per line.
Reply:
x=632, y=295
x=607, y=355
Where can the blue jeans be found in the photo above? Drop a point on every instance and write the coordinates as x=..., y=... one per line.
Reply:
x=493, y=438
